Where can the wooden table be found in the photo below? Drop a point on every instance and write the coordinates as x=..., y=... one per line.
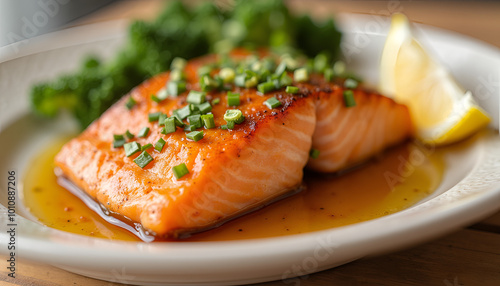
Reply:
x=470, y=256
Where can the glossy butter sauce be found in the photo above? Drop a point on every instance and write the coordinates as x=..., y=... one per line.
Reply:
x=397, y=179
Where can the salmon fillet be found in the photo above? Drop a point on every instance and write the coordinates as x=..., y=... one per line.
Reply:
x=230, y=171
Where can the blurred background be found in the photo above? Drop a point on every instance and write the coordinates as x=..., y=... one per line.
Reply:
x=22, y=19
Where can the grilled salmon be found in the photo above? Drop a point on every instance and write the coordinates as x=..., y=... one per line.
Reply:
x=230, y=171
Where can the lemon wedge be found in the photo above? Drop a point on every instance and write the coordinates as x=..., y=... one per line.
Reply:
x=442, y=111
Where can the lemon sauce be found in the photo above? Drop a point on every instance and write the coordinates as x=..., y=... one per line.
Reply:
x=395, y=180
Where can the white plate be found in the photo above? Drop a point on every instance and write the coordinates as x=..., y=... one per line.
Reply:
x=470, y=189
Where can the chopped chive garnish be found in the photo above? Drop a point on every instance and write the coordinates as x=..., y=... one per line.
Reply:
x=178, y=122
x=146, y=147
x=328, y=74
x=131, y=148
x=301, y=75
x=292, y=89
x=159, y=144
x=178, y=63
x=349, y=100
x=320, y=62
x=177, y=75
x=118, y=143
x=130, y=103
x=339, y=68
x=155, y=99
x=233, y=99
x=232, y=115
x=189, y=128
x=207, y=83
x=195, y=135
x=118, y=137
x=208, y=121
x=175, y=88
x=205, y=107
x=230, y=125
x=239, y=80
x=266, y=87
x=224, y=127
x=272, y=103
x=161, y=119
x=143, y=159
x=350, y=83
x=180, y=171
x=314, y=153
x=285, y=80
x=184, y=112
x=129, y=135
x=162, y=94
x=227, y=75
x=216, y=101
x=204, y=70
x=143, y=132
x=251, y=82
x=195, y=120
x=196, y=97
x=169, y=126
x=280, y=69
x=154, y=116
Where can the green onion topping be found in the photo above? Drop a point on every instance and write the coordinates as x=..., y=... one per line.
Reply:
x=314, y=153
x=118, y=143
x=154, y=116
x=227, y=74
x=339, y=68
x=233, y=99
x=272, y=102
x=208, y=121
x=147, y=146
x=129, y=135
x=349, y=100
x=196, y=97
x=266, y=87
x=175, y=88
x=184, y=112
x=118, y=137
x=195, y=120
x=207, y=83
x=155, y=99
x=301, y=75
x=190, y=128
x=169, y=126
x=130, y=103
x=177, y=75
x=195, y=135
x=159, y=145
x=180, y=171
x=328, y=74
x=216, y=101
x=292, y=89
x=205, y=107
x=178, y=64
x=143, y=159
x=131, y=148
x=350, y=83
x=233, y=115
x=204, y=70
x=161, y=119
x=143, y=132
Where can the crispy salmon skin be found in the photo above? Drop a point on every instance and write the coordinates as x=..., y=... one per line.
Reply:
x=230, y=171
